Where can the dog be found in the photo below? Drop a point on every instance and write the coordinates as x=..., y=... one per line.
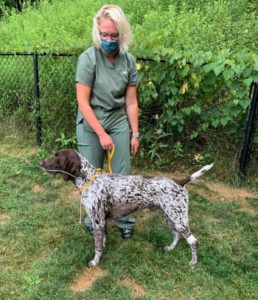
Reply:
x=106, y=196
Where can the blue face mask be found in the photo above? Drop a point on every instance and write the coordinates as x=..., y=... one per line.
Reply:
x=109, y=47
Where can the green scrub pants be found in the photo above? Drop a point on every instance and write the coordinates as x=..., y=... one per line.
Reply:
x=116, y=125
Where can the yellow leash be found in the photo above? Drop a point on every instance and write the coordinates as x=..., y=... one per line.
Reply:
x=87, y=184
x=110, y=155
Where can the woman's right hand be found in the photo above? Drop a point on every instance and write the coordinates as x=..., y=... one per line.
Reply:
x=106, y=141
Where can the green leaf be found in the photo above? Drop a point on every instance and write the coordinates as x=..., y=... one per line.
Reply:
x=207, y=68
x=239, y=69
x=224, y=121
x=193, y=134
x=215, y=123
x=187, y=111
x=185, y=71
x=174, y=90
x=235, y=111
x=197, y=109
x=228, y=74
x=248, y=81
x=218, y=69
x=245, y=103
x=204, y=126
x=173, y=101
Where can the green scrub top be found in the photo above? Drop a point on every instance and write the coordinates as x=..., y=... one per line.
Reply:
x=108, y=81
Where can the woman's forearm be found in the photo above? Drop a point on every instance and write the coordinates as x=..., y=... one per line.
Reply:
x=132, y=113
x=132, y=108
x=83, y=98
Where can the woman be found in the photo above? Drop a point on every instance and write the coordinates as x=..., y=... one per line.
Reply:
x=106, y=80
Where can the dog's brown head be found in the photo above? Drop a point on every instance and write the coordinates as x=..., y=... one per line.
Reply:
x=63, y=161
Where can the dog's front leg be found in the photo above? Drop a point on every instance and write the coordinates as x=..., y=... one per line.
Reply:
x=105, y=236
x=99, y=236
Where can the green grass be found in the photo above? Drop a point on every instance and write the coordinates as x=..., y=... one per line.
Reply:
x=43, y=250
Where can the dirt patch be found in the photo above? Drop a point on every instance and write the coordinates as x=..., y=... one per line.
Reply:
x=213, y=219
x=220, y=191
x=74, y=194
x=202, y=190
x=137, y=290
x=70, y=190
x=230, y=193
x=87, y=278
x=57, y=181
x=18, y=152
x=69, y=194
x=216, y=191
x=37, y=188
x=4, y=219
x=249, y=210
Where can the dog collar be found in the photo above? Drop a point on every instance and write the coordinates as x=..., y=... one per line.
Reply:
x=88, y=183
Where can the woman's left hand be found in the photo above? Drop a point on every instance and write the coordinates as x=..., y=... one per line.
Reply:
x=135, y=144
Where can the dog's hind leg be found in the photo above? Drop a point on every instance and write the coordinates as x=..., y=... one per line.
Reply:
x=176, y=235
x=185, y=231
x=192, y=241
x=174, y=243
x=179, y=230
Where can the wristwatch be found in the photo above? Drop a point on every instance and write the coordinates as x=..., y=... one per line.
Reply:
x=136, y=135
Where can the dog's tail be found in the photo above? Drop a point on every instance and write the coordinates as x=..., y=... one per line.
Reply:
x=194, y=176
x=200, y=172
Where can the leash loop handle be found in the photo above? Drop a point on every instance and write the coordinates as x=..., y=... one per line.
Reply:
x=110, y=155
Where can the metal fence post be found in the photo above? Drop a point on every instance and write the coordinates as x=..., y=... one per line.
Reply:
x=37, y=99
x=249, y=130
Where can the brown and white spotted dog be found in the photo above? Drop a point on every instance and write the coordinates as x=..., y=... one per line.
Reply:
x=112, y=195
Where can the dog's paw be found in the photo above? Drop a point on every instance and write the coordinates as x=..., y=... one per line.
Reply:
x=192, y=264
x=168, y=248
x=92, y=263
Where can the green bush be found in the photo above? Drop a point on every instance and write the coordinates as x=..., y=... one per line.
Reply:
x=157, y=25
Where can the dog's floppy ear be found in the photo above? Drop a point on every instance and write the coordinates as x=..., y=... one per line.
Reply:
x=75, y=168
x=73, y=165
x=67, y=177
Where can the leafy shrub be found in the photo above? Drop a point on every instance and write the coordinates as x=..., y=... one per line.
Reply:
x=157, y=25
x=201, y=98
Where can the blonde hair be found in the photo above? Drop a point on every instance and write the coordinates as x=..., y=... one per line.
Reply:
x=114, y=13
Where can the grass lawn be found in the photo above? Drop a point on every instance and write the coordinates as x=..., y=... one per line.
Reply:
x=43, y=251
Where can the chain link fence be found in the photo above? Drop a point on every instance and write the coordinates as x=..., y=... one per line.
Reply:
x=37, y=92
x=16, y=88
